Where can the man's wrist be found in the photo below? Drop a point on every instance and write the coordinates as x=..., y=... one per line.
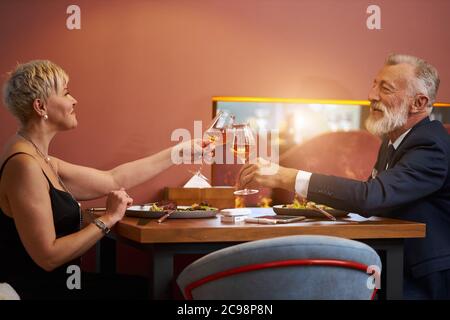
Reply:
x=287, y=178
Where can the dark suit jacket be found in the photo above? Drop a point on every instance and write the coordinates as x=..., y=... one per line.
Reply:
x=416, y=187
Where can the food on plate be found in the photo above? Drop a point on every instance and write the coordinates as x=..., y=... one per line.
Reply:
x=154, y=207
x=203, y=206
x=296, y=204
x=305, y=204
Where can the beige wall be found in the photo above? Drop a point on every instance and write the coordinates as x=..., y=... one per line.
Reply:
x=140, y=69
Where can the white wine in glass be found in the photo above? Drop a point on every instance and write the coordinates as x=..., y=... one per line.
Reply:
x=243, y=140
x=218, y=127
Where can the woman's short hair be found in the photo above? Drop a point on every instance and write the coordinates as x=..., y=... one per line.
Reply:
x=36, y=79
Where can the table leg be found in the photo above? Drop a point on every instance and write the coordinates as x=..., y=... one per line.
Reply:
x=162, y=259
x=161, y=273
x=392, y=273
x=105, y=255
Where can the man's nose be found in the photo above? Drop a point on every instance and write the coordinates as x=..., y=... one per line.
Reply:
x=374, y=94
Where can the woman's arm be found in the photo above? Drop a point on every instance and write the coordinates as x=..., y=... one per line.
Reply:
x=30, y=206
x=88, y=183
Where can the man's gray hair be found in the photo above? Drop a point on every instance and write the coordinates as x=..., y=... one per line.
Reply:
x=427, y=76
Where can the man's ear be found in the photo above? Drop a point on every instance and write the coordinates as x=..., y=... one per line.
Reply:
x=420, y=103
x=39, y=107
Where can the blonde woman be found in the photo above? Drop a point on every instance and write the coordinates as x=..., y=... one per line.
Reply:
x=40, y=217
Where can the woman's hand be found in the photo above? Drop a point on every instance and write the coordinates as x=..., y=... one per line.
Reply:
x=200, y=148
x=264, y=173
x=194, y=150
x=116, y=205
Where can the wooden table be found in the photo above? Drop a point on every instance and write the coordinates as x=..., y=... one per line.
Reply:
x=193, y=236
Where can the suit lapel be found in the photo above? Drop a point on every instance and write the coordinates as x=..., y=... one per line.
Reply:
x=380, y=165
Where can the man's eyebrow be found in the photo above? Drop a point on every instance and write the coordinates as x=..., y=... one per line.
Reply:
x=387, y=83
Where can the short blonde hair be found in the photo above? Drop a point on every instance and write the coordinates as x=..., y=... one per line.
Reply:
x=36, y=79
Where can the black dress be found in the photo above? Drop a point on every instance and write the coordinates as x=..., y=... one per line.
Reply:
x=17, y=268
x=32, y=282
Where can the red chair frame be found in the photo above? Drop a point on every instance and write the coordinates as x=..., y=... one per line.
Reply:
x=276, y=264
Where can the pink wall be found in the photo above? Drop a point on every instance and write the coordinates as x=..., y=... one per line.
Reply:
x=140, y=69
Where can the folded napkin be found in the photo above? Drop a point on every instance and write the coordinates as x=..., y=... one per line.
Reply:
x=197, y=181
x=236, y=212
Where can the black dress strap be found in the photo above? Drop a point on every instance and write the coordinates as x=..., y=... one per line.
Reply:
x=7, y=159
x=14, y=154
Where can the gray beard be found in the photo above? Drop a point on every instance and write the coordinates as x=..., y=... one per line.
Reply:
x=390, y=121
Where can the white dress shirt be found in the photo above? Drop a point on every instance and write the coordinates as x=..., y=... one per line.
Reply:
x=303, y=177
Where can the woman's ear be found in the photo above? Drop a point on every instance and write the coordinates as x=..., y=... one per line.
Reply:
x=420, y=103
x=39, y=107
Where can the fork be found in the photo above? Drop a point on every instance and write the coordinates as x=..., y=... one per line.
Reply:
x=327, y=214
x=164, y=217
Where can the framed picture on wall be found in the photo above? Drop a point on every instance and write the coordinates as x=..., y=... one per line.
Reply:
x=301, y=122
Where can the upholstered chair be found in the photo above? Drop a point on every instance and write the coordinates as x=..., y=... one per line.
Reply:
x=292, y=267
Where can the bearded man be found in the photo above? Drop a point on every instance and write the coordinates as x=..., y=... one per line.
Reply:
x=410, y=180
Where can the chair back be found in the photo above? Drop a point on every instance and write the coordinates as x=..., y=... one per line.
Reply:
x=292, y=267
x=7, y=292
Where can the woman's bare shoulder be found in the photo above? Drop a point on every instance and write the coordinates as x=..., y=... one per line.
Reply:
x=21, y=165
x=22, y=161
x=15, y=145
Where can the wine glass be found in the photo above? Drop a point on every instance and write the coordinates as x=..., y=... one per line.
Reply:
x=217, y=129
x=216, y=132
x=243, y=141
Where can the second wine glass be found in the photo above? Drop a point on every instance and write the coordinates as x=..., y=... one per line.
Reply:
x=243, y=143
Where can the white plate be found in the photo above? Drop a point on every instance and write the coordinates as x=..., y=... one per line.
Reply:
x=144, y=212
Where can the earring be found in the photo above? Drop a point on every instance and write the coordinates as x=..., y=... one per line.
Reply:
x=45, y=117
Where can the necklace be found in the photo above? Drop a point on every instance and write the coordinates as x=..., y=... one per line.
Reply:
x=47, y=160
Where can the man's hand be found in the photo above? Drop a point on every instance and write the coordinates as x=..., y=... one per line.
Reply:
x=264, y=173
